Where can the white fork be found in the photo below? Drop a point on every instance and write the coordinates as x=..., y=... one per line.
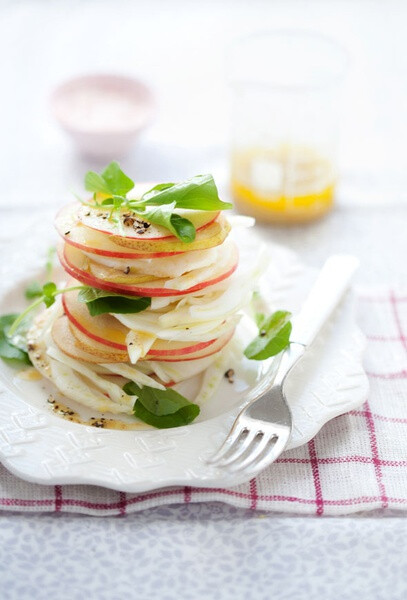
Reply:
x=262, y=429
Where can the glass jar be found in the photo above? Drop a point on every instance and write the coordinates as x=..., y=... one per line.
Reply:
x=285, y=114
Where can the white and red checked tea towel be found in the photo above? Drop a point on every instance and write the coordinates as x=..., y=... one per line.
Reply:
x=357, y=462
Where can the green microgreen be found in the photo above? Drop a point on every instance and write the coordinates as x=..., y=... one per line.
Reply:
x=273, y=338
x=161, y=408
x=99, y=302
x=157, y=206
x=11, y=349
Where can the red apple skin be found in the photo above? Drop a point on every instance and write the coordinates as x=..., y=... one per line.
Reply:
x=153, y=239
x=100, y=251
x=69, y=208
x=214, y=231
x=110, y=254
x=139, y=291
x=202, y=349
x=91, y=335
x=202, y=354
x=195, y=347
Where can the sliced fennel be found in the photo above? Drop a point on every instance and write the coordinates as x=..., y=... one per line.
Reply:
x=214, y=374
x=133, y=374
x=224, y=260
x=171, y=266
x=73, y=387
x=188, y=332
x=114, y=391
x=138, y=344
x=179, y=371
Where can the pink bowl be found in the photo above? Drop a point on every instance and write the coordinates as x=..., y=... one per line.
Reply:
x=103, y=113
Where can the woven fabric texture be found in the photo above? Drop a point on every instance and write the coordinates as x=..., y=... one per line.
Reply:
x=357, y=462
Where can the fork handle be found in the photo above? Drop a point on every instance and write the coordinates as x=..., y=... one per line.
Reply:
x=288, y=359
x=328, y=289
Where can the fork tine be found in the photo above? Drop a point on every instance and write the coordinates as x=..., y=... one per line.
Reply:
x=269, y=455
x=239, y=449
x=227, y=445
x=256, y=452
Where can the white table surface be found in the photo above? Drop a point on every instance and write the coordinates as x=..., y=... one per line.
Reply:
x=204, y=551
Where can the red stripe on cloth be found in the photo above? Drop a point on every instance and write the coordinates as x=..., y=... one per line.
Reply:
x=345, y=459
x=92, y=505
x=316, y=477
x=299, y=500
x=382, y=338
x=399, y=375
x=19, y=502
x=187, y=494
x=362, y=413
x=247, y=496
x=253, y=494
x=58, y=498
x=375, y=454
x=26, y=503
x=158, y=494
x=122, y=503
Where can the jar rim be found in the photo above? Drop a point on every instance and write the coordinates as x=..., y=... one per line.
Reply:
x=307, y=60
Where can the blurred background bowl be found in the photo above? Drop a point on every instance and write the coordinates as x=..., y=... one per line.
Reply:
x=103, y=113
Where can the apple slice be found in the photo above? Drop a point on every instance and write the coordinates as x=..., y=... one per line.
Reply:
x=97, y=243
x=212, y=349
x=208, y=235
x=133, y=225
x=108, y=331
x=99, y=355
x=63, y=337
x=79, y=261
x=120, y=276
x=162, y=349
x=76, y=265
x=104, y=329
x=102, y=352
x=132, y=272
x=97, y=218
x=75, y=233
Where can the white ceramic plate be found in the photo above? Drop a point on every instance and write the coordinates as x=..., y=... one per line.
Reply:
x=39, y=446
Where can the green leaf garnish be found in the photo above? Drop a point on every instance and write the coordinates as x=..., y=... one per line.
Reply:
x=158, y=204
x=165, y=217
x=99, y=302
x=198, y=193
x=96, y=183
x=119, y=183
x=48, y=290
x=273, y=338
x=182, y=228
x=10, y=351
x=112, y=181
x=161, y=408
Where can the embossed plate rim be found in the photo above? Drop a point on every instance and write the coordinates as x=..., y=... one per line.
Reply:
x=133, y=461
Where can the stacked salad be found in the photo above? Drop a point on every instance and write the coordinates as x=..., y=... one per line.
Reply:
x=153, y=298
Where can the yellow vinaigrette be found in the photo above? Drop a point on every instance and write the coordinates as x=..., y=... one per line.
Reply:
x=288, y=184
